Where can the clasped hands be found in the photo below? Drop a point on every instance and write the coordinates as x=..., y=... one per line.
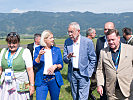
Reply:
x=51, y=69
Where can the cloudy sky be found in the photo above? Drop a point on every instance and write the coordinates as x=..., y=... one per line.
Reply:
x=95, y=6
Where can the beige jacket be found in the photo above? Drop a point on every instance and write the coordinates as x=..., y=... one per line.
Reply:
x=124, y=73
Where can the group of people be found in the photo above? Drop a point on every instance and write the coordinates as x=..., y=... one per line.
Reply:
x=115, y=64
x=107, y=66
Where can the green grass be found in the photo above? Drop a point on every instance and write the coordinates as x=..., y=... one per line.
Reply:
x=2, y=42
x=59, y=41
x=27, y=41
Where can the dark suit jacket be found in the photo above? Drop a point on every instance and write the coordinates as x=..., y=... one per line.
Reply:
x=31, y=48
x=99, y=45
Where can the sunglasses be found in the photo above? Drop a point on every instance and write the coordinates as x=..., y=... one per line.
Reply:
x=12, y=34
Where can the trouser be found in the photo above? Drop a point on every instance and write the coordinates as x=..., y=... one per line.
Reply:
x=92, y=86
x=80, y=86
x=93, y=82
x=49, y=84
x=119, y=96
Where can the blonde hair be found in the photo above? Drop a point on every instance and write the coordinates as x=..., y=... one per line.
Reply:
x=45, y=34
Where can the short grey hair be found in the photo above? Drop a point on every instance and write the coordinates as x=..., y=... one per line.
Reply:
x=75, y=25
x=45, y=34
x=89, y=31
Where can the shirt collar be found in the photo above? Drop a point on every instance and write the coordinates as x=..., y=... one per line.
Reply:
x=35, y=45
x=129, y=39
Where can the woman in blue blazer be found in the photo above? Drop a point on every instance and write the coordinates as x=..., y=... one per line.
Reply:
x=48, y=61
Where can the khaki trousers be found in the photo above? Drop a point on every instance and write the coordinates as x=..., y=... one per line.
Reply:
x=119, y=96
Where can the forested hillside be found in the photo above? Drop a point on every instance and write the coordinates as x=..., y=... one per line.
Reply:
x=35, y=21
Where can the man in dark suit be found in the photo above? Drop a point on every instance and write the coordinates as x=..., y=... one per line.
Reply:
x=35, y=44
x=102, y=43
x=32, y=47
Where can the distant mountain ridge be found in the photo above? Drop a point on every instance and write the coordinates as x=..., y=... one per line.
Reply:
x=36, y=21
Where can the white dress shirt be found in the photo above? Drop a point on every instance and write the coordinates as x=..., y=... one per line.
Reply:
x=106, y=42
x=76, y=47
x=34, y=48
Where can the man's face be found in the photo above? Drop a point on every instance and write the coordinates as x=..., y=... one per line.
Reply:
x=113, y=41
x=124, y=35
x=37, y=40
x=73, y=33
x=108, y=26
x=93, y=34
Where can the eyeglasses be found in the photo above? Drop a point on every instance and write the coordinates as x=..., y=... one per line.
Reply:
x=70, y=32
x=50, y=38
x=12, y=34
x=106, y=29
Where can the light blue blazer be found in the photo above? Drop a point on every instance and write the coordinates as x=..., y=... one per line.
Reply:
x=87, y=57
x=57, y=59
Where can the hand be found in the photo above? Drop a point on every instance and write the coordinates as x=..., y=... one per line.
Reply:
x=51, y=69
x=70, y=55
x=31, y=90
x=41, y=52
x=100, y=90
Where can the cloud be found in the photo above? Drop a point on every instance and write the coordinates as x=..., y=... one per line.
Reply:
x=16, y=10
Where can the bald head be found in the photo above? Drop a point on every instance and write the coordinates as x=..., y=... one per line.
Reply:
x=108, y=25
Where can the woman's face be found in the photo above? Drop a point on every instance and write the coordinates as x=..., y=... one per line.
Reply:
x=50, y=40
x=13, y=46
